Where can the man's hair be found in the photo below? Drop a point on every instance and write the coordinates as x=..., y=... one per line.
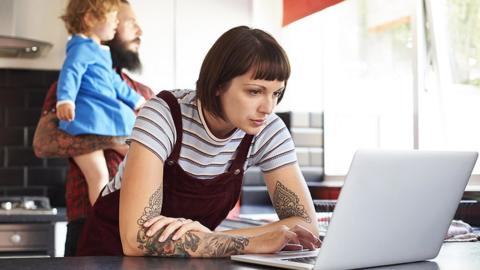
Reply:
x=77, y=9
x=236, y=52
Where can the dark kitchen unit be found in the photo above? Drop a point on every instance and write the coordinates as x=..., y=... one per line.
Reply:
x=27, y=229
x=27, y=226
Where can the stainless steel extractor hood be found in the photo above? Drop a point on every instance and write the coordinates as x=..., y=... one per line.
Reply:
x=14, y=18
x=23, y=47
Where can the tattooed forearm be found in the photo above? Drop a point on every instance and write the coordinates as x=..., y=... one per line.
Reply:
x=49, y=141
x=286, y=203
x=223, y=245
x=193, y=244
x=154, y=207
x=179, y=248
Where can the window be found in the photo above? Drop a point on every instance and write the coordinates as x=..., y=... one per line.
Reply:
x=450, y=103
x=368, y=82
x=400, y=76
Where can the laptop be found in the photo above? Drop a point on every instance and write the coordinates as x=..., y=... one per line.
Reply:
x=395, y=207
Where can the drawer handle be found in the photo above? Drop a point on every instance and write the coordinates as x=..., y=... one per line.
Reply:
x=15, y=238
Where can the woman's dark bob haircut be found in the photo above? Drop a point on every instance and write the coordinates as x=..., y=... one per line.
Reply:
x=236, y=52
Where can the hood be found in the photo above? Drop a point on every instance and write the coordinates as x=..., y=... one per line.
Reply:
x=11, y=46
x=15, y=23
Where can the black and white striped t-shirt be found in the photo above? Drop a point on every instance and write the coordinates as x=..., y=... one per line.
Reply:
x=202, y=154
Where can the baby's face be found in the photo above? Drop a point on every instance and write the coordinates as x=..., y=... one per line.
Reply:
x=105, y=29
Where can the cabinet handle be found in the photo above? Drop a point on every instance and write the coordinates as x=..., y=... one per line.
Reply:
x=15, y=238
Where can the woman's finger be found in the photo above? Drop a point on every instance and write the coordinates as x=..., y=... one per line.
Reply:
x=292, y=238
x=173, y=226
x=158, y=225
x=307, y=244
x=292, y=247
x=191, y=226
x=307, y=238
x=303, y=232
x=152, y=220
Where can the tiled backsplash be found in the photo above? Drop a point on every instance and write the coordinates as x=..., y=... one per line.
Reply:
x=21, y=173
x=307, y=133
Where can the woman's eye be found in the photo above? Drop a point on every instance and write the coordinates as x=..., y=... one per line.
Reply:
x=277, y=94
x=254, y=92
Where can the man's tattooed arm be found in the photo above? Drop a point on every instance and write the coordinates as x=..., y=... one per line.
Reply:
x=49, y=141
x=286, y=203
x=191, y=244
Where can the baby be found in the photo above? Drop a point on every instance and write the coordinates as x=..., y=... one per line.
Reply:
x=92, y=98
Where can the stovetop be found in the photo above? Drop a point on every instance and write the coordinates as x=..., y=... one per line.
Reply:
x=26, y=205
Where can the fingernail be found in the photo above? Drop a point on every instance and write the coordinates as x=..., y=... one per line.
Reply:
x=175, y=237
x=149, y=233
x=161, y=239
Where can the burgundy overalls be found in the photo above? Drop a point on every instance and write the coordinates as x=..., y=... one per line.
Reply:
x=207, y=201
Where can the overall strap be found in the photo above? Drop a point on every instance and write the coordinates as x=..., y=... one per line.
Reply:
x=242, y=152
x=172, y=102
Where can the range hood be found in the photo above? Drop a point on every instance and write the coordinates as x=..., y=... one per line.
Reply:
x=16, y=18
x=23, y=47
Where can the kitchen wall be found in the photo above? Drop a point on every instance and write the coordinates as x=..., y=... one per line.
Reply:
x=21, y=172
x=178, y=34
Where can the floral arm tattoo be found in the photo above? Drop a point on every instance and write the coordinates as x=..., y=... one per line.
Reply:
x=191, y=244
x=49, y=141
x=286, y=203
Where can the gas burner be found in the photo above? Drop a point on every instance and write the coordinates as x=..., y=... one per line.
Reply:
x=19, y=205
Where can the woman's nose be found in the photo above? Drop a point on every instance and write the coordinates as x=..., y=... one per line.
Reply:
x=267, y=105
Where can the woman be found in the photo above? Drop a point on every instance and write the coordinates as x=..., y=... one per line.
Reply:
x=187, y=156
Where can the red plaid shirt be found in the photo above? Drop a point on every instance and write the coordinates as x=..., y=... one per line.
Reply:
x=76, y=191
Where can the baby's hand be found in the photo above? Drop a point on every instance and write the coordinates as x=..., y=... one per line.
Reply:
x=66, y=112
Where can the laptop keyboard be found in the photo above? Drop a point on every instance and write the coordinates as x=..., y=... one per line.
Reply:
x=309, y=260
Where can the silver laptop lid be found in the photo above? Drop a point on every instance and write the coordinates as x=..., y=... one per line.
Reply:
x=395, y=207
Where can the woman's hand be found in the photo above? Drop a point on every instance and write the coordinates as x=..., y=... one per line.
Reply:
x=170, y=225
x=274, y=241
x=306, y=238
x=283, y=238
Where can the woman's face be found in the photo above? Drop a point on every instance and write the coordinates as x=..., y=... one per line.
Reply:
x=247, y=103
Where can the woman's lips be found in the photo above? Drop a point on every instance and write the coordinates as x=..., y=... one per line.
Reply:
x=259, y=123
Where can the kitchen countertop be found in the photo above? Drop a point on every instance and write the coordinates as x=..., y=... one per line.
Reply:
x=465, y=256
x=61, y=215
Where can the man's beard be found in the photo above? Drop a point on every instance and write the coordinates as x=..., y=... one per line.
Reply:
x=122, y=57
